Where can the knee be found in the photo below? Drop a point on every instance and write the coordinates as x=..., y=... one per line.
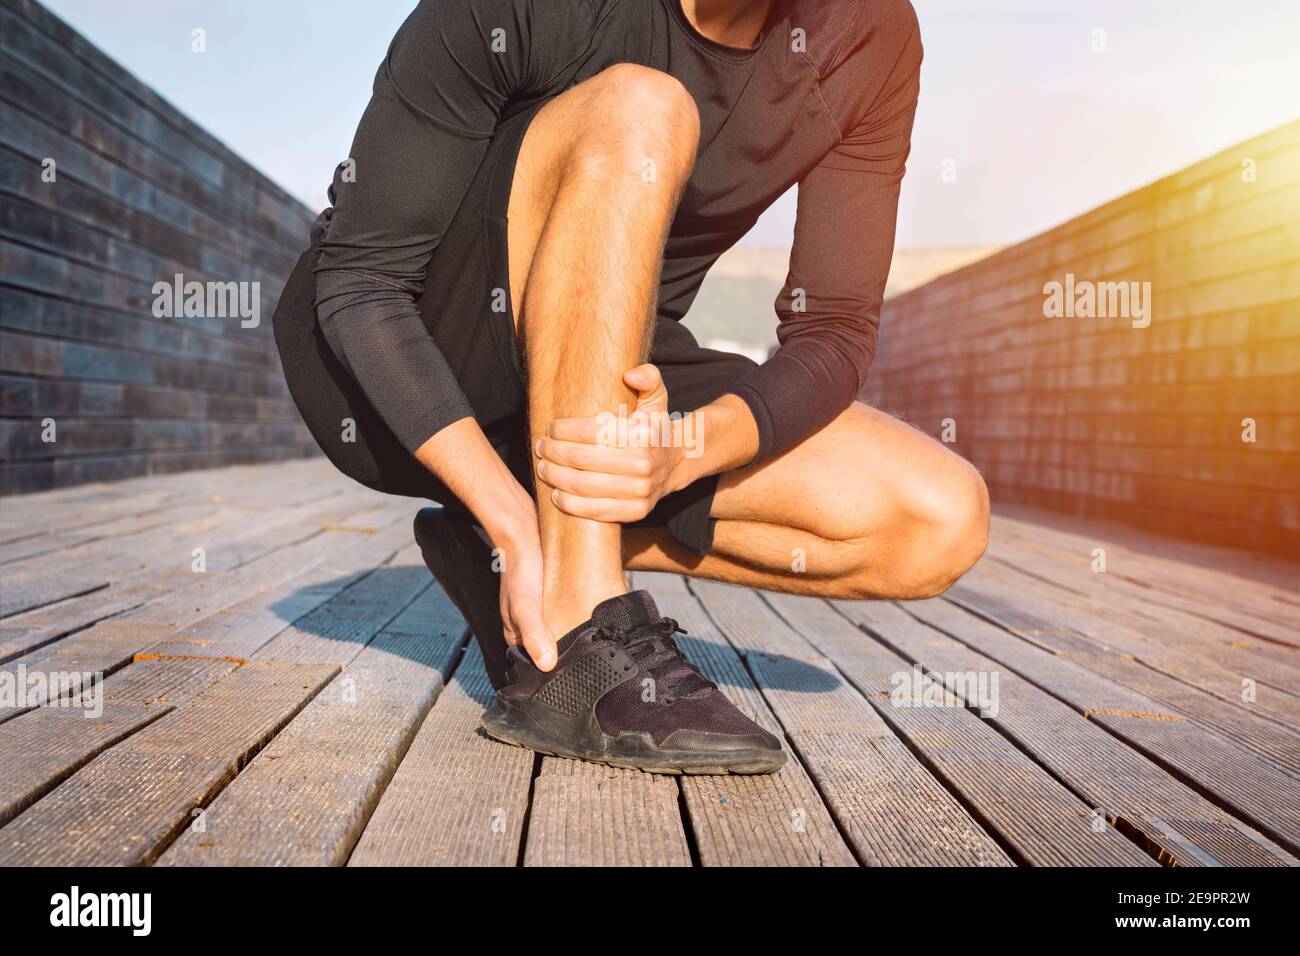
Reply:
x=938, y=537
x=951, y=535
x=646, y=113
x=648, y=98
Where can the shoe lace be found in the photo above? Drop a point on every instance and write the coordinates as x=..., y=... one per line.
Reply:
x=652, y=647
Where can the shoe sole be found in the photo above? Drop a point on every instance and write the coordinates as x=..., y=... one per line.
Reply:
x=510, y=723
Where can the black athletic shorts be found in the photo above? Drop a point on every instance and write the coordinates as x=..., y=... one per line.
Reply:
x=479, y=345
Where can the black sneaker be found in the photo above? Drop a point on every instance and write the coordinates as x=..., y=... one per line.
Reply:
x=459, y=554
x=623, y=694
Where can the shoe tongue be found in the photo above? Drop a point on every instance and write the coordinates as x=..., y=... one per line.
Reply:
x=619, y=614
x=625, y=612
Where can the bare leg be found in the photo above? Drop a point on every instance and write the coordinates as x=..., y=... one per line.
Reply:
x=867, y=507
x=598, y=179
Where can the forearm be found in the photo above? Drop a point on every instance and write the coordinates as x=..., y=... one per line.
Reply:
x=373, y=327
x=815, y=375
x=463, y=459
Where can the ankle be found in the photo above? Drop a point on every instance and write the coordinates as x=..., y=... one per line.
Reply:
x=565, y=610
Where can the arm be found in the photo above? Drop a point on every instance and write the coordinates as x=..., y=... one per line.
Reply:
x=438, y=95
x=437, y=99
x=829, y=310
x=462, y=457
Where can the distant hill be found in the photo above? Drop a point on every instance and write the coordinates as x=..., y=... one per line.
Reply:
x=917, y=266
x=734, y=307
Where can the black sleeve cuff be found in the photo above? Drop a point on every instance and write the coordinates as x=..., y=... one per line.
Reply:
x=762, y=419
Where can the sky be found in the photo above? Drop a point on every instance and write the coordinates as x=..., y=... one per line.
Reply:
x=1043, y=109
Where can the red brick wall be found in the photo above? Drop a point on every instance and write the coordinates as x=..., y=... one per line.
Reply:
x=1094, y=416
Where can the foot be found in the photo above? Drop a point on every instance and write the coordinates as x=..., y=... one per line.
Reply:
x=459, y=554
x=623, y=694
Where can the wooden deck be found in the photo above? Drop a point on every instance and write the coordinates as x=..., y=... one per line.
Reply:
x=287, y=685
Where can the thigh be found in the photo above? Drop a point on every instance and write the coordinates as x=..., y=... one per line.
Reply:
x=858, y=476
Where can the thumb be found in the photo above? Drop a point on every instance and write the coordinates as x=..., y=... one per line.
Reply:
x=537, y=639
x=652, y=395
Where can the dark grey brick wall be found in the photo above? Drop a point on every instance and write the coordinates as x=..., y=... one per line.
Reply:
x=140, y=194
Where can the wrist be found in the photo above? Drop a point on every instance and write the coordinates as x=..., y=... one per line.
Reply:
x=512, y=522
x=463, y=459
x=723, y=437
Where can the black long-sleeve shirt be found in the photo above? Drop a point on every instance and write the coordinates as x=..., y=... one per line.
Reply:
x=825, y=99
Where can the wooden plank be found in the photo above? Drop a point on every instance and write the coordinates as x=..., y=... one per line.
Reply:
x=1034, y=816
x=1131, y=791
x=1228, y=585
x=1206, y=655
x=128, y=803
x=34, y=629
x=1223, y=602
x=336, y=555
x=48, y=578
x=1172, y=640
x=890, y=808
x=28, y=630
x=770, y=820
x=1070, y=635
x=243, y=628
x=165, y=556
x=27, y=633
x=1116, y=595
x=306, y=797
x=43, y=747
x=585, y=814
x=18, y=540
x=68, y=508
x=37, y=545
x=1106, y=620
x=458, y=798
x=336, y=631
x=734, y=820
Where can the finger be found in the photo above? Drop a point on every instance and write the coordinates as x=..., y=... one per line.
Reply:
x=537, y=639
x=652, y=393
x=611, y=510
x=592, y=484
x=508, y=628
x=643, y=378
x=588, y=430
x=597, y=458
x=512, y=638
